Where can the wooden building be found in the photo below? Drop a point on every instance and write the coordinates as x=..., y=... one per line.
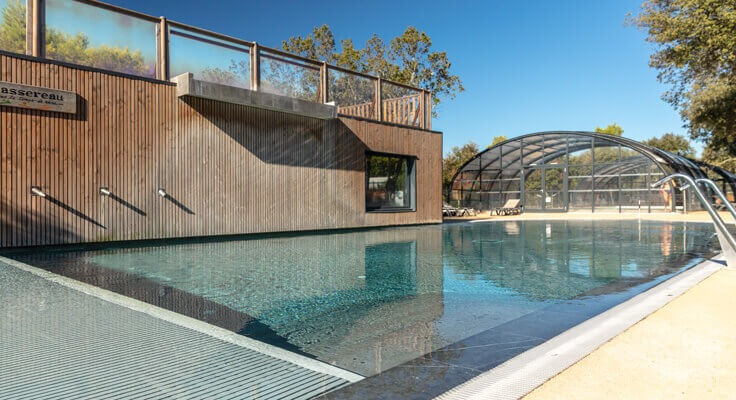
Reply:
x=137, y=159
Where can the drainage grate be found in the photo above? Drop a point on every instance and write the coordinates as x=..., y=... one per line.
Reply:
x=59, y=343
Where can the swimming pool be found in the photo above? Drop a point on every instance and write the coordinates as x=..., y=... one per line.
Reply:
x=417, y=309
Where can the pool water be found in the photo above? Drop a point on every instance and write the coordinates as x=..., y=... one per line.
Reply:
x=372, y=300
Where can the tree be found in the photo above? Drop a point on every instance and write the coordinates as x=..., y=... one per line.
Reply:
x=675, y=144
x=497, y=140
x=612, y=129
x=602, y=154
x=455, y=159
x=67, y=47
x=408, y=59
x=719, y=158
x=13, y=28
x=219, y=75
x=695, y=53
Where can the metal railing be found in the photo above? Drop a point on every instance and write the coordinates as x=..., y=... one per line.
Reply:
x=255, y=67
x=717, y=190
x=728, y=244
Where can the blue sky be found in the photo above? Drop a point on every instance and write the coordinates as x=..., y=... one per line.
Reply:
x=527, y=65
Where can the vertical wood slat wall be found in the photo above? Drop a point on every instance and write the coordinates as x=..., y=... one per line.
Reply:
x=229, y=169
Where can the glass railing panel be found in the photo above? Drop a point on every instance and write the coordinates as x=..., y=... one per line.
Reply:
x=353, y=94
x=13, y=26
x=402, y=105
x=83, y=34
x=289, y=76
x=208, y=58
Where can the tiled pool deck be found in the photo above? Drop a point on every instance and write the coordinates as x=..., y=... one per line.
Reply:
x=60, y=340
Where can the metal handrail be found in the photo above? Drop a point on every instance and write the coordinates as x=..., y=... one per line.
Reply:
x=718, y=192
x=728, y=244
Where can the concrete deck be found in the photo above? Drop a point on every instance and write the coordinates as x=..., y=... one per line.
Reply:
x=684, y=350
x=62, y=339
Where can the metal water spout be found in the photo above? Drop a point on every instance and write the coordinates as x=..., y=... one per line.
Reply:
x=36, y=191
x=728, y=245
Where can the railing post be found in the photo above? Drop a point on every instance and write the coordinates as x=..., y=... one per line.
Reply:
x=379, y=100
x=29, y=27
x=428, y=110
x=162, y=50
x=255, y=68
x=36, y=28
x=323, y=82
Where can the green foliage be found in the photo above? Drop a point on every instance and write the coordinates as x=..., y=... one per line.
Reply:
x=612, y=129
x=580, y=158
x=720, y=158
x=219, y=75
x=66, y=47
x=604, y=154
x=695, y=53
x=408, y=59
x=455, y=159
x=13, y=27
x=675, y=144
x=393, y=168
x=117, y=59
x=497, y=140
x=319, y=45
x=711, y=113
x=61, y=46
x=289, y=80
x=533, y=180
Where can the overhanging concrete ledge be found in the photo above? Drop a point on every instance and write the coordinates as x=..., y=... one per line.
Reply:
x=186, y=85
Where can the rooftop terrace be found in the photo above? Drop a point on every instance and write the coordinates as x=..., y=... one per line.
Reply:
x=102, y=36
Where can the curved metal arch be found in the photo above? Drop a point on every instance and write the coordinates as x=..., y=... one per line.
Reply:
x=544, y=157
x=683, y=164
x=658, y=157
x=728, y=176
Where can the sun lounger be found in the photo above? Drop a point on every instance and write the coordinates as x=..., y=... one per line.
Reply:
x=449, y=211
x=468, y=212
x=512, y=207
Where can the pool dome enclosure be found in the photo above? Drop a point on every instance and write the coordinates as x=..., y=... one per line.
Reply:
x=578, y=171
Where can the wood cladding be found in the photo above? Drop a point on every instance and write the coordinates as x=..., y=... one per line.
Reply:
x=228, y=169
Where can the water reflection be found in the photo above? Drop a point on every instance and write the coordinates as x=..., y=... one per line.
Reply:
x=562, y=259
x=371, y=300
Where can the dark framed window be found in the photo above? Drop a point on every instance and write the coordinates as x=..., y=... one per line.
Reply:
x=390, y=182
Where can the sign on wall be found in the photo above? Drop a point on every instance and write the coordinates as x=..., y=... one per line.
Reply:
x=37, y=98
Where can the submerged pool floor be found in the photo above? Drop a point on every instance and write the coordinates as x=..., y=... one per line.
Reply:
x=417, y=309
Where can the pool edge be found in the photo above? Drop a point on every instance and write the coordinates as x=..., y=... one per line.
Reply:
x=520, y=375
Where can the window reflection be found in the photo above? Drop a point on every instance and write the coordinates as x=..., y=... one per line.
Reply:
x=389, y=182
x=86, y=35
